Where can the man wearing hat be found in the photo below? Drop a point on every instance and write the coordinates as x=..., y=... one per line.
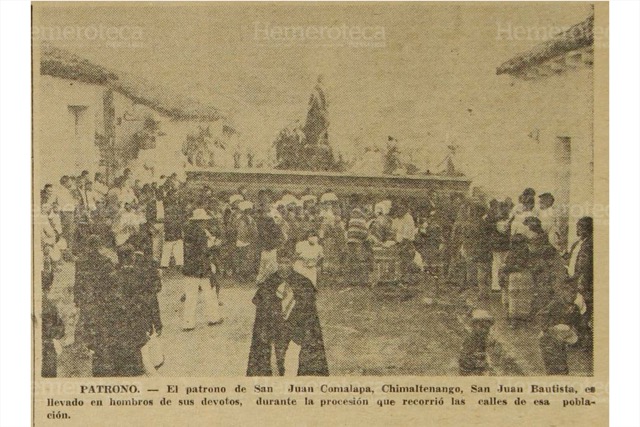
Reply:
x=547, y=216
x=198, y=272
x=93, y=271
x=287, y=337
x=246, y=237
x=473, y=356
x=558, y=320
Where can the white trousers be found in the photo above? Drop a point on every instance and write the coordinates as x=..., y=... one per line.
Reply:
x=498, y=262
x=175, y=248
x=212, y=310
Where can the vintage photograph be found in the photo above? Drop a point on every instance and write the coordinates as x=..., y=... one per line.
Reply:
x=314, y=189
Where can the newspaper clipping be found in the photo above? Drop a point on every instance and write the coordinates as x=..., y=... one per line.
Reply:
x=340, y=213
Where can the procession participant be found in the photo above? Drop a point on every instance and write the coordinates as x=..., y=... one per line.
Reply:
x=93, y=198
x=270, y=238
x=547, y=216
x=332, y=236
x=296, y=232
x=246, y=242
x=52, y=329
x=430, y=243
x=309, y=202
x=92, y=272
x=558, y=321
x=473, y=355
x=381, y=228
x=309, y=255
x=525, y=209
x=287, y=336
x=100, y=184
x=48, y=196
x=215, y=235
x=174, y=220
x=68, y=205
x=358, y=256
x=518, y=281
x=580, y=268
x=114, y=201
x=154, y=216
x=405, y=228
x=231, y=214
x=130, y=321
x=499, y=237
x=546, y=264
x=451, y=229
x=126, y=225
x=127, y=192
x=197, y=269
x=146, y=297
x=477, y=251
x=382, y=238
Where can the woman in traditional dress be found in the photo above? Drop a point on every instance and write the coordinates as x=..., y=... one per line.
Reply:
x=386, y=265
x=518, y=289
x=309, y=255
x=333, y=241
x=358, y=255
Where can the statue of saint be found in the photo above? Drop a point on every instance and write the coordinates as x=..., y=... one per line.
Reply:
x=317, y=125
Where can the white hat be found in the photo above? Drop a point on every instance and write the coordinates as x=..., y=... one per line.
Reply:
x=328, y=197
x=564, y=333
x=378, y=208
x=235, y=198
x=478, y=315
x=199, y=214
x=245, y=205
x=273, y=213
x=289, y=199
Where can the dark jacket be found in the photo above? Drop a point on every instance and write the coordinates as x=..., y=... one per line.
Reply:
x=302, y=327
x=477, y=241
x=269, y=233
x=584, y=268
x=196, y=251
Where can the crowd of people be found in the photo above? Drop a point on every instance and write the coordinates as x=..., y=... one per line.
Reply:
x=122, y=237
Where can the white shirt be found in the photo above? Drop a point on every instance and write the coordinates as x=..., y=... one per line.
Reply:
x=100, y=188
x=405, y=228
x=66, y=201
x=517, y=226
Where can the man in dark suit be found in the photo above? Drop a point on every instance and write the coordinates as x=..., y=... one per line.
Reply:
x=287, y=337
x=580, y=269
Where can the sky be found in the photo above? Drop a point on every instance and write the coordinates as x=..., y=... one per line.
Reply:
x=430, y=83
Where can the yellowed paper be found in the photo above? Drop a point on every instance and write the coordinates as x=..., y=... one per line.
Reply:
x=400, y=209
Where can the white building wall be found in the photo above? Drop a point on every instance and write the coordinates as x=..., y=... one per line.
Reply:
x=62, y=145
x=504, y=160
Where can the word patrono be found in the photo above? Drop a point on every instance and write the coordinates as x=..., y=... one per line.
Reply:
x=108, y=389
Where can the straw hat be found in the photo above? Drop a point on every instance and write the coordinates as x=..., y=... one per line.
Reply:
x=328, y=197
x=235, y=199
x=245, y=205
x=564, y=333
x=481, y=316
x=199, y=214
x=289, y=199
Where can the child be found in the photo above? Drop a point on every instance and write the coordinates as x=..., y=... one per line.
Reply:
x=473, y=356
x=558, y=320
x=52, y=329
